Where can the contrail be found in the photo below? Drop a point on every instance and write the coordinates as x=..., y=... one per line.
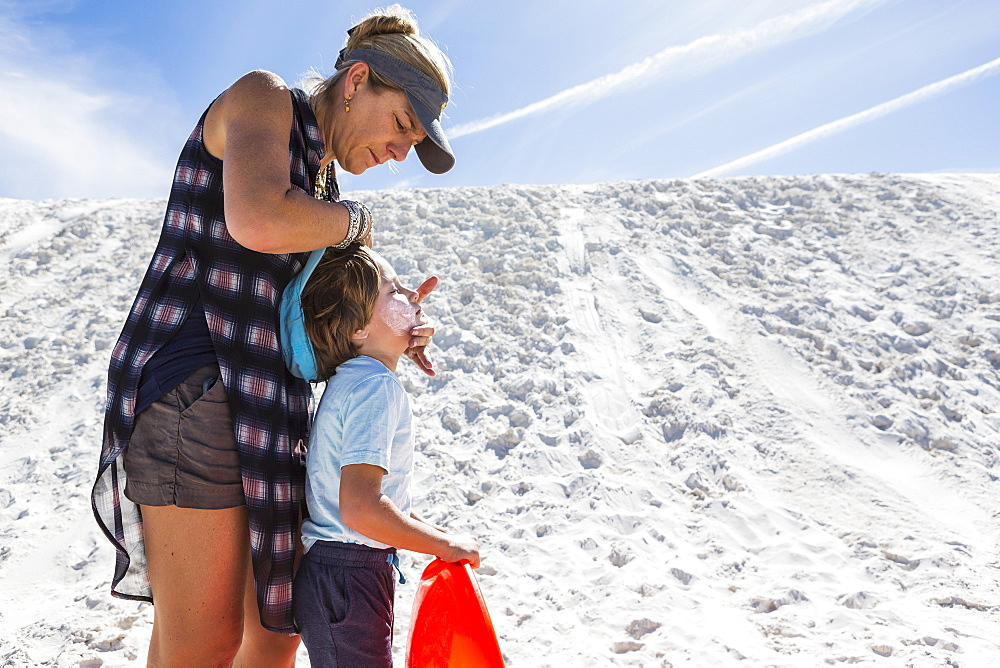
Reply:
x=823, y=131
x=703, y=53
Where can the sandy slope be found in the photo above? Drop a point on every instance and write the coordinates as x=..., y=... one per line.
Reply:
x=708, y=423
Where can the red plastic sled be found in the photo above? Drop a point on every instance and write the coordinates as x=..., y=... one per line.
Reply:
x=450, y=626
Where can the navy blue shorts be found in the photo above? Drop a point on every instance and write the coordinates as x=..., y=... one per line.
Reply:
x=342, y=598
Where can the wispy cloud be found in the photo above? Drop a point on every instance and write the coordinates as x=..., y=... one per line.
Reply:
x=695, y=57
x=62, y=134
x=829, y=129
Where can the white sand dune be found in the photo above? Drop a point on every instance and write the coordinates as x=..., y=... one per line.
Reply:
x=734, y=422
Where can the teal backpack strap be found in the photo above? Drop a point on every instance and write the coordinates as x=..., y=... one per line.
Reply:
x=296, y=347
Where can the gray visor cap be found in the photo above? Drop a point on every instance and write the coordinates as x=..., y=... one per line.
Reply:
x=426, y=98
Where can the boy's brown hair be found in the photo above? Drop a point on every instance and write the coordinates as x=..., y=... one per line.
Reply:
x=338, y=300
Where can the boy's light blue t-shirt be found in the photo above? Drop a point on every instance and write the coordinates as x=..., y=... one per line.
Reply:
x=363, y=418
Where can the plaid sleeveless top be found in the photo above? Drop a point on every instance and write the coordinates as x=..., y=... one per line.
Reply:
x=241, y=290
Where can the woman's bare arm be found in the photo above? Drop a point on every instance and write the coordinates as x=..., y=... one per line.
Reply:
x=248, y=128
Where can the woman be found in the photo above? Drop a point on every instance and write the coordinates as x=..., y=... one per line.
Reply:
x=199, y=485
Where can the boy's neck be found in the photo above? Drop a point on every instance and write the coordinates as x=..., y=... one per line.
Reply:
x=387, y=359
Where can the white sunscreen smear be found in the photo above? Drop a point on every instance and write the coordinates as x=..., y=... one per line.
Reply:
x=398, y=316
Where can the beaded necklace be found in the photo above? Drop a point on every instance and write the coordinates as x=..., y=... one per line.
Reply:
x=321, y=187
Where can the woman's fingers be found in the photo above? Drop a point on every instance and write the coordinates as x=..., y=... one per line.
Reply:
x=419, y=357
x=420, y=342
x=420, y=337
x=426, y=287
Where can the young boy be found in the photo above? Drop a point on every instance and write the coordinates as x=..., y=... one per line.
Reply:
x=346, y=319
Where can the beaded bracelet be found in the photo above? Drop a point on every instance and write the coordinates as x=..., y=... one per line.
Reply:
x=360, y=225
x=366, y=222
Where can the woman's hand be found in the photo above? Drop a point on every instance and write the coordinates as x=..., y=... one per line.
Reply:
x=420, y=337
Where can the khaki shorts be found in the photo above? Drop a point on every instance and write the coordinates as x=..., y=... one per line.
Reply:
x=183, y=452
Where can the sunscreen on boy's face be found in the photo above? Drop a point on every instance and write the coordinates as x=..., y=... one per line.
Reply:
x=399, y=314
x=395, y=310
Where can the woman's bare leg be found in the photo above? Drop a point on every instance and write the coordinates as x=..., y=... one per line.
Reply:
x=260, y=646
x=205, y=610
x=197, y=571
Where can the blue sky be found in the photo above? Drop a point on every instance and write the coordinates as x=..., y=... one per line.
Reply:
x=97, y=96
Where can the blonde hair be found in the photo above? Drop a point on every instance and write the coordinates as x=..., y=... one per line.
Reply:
x=394, y=31
x=338, y=300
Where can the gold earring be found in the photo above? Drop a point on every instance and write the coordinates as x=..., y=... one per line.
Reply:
x=347, y=104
